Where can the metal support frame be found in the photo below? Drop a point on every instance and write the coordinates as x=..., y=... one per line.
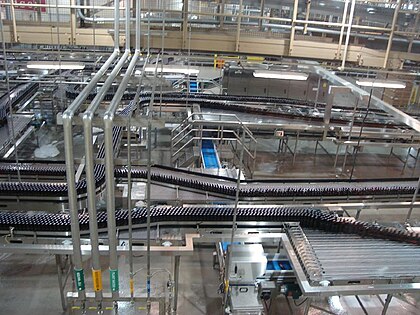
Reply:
x=391, y=35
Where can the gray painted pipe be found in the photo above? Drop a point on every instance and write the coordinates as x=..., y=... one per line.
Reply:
x=109, y=148
x=90, y=177
x=89, y=160
x=70, y=170
x=109, y=162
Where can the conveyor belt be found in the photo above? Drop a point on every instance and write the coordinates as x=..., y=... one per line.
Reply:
x=17, y=94
x=345, y=257
x=206, y=183
x=20, y=123
x=307, y=217
x=246, y=104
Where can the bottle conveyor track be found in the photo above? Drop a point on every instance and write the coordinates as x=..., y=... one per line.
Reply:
x=205, y=183
x=307, y=217
x=260, y=105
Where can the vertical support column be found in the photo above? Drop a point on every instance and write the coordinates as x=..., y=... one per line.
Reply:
x=72, y=23
x=222, y=12
x=260, y=22
x=184, y=23
x=293, y=29
x=308, y=11
x=416, y=23
x=14, y=28
x=343, y=24
x=307, y=306
x=238, y=26
x=60, y=281
x=295, y=149
x=346, y=47
x=391, y=35
x=176, y=283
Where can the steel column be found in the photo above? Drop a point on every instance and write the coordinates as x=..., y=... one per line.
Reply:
x=308, y=10
x=184, y=23
x=14, y=28
x=260, y=21
x=176, y=281
x=73, y=23
x=391, y=35
x=238, y=26
x=293, y=28
x=343, y=24
x=350, y=24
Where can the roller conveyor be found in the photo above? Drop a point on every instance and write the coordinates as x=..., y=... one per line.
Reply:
x=306, y=217
x=345, y=257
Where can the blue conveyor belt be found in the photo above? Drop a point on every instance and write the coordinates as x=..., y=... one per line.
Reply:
x=209, y=154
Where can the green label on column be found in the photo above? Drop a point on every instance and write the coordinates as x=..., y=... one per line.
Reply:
x=80, y=279
x=113, y=274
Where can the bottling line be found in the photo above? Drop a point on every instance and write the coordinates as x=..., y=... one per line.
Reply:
x=293, y=195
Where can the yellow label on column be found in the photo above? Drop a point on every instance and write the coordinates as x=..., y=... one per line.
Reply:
x=97, y=280
x=131, y=286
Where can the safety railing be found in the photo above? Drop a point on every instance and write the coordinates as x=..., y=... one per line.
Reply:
x=220, y=128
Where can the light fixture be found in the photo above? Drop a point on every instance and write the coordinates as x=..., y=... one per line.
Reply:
x=55, y=65
x=281, y=75
x=381, y=83
x=173, y=69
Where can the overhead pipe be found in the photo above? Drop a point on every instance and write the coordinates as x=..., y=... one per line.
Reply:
x=68, y=116
x=89, y=160
x=109, y=154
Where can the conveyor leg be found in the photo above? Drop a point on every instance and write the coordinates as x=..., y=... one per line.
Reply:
x=336, y=155
x=176, y=280
x=406, y=160
x=307, y=306
x=361, y=304
x=60, y=281
x=387, y=302
x=416, y=160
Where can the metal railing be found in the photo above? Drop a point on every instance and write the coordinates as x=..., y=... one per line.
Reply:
x=221, y=128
